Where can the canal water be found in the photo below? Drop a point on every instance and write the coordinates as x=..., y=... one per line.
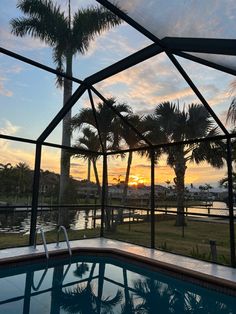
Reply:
x=19, y=221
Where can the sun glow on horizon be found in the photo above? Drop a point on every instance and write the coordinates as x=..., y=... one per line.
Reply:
x=136, y=180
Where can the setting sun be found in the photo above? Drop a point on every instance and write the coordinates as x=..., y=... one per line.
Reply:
x=136, y=180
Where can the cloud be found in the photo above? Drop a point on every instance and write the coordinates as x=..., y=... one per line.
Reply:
x=142, y=166
x=75, y=165
x=156, y=80
x=15, y=152
x=6, y=72
x=19, y=44
x=107, y=48
x=198, y=174
x=147, y=84
x=9, y=128
x=15, y=69
x=3, y=91
x=185, y=18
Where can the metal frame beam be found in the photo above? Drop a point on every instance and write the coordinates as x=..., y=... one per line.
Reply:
x=17, y=139
x=152, y=196
x=96, y=120
x=205, y=62
x=163, y=145
x=104, y=193
x=202, y=45
x=73, y=149
x=231, y=203
x=35, y=193
x=39, y=65
x=34, y=142
x=124, y=64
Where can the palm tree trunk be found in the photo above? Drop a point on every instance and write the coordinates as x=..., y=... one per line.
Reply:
x=88, y=180
x=96, y=177
x=89, y=170
x=126, y=184
x=65, y=156
x=129, y=162
x=107, y=219
x=180, y=169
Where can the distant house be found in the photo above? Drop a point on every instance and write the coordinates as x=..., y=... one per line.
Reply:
x=86, y=188
x=140, y=193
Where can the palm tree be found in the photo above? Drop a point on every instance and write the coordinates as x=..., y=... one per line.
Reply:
x=89, y=140
x=67, y=36
x=177, y=126
x=231, y=114
x=24, y=178
x=108, y=122
x=152, y=295
x=133, y=141
x=109, y=127
x=175, y=298
x=5, y=167
x=224, y=182
x=7, y=180
x=81, y=269
x=82, y=298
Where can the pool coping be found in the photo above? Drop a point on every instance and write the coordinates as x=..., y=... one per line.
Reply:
x=218, y=277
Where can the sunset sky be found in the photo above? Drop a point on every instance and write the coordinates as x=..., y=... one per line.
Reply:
x=29, y=98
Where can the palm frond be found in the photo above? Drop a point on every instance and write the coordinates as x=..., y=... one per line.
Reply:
x=108, y=121
x=213, y=152
x=58, y=59
x=108, y=303
x=44, y=21
x=199, y=121
x=90, y=22
x=85, y=116
x=231, y=114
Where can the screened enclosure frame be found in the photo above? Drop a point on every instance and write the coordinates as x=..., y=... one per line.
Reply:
x=171, y=46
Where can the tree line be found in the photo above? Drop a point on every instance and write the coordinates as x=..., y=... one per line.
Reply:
x=16, y=183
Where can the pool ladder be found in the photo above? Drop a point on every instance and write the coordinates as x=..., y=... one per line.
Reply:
x=43, y=239
x=66, y=237
x=57, y=245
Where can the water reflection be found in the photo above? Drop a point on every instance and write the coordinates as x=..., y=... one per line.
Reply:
x=18, y=220
x=90, y=286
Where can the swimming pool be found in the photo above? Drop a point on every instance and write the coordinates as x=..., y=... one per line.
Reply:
x=104, y=285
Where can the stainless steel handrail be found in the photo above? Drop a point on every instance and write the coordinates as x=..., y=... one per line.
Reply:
x=66, y=237
x=43, y=239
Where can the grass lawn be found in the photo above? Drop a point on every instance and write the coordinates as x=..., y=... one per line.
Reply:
x=168, y=237
x=8, y=240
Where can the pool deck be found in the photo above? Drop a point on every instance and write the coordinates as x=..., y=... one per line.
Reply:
x=210, y=270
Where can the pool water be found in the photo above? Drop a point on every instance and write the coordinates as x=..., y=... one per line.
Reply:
x=92, y=285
